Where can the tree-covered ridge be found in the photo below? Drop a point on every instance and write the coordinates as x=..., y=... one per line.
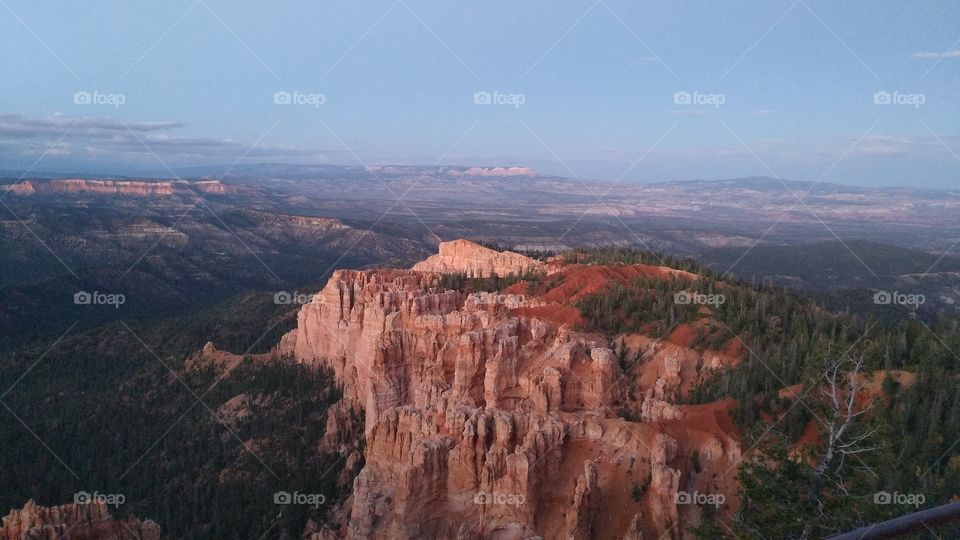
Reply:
x=906, y=442
x=612, y=255
x=198, y=450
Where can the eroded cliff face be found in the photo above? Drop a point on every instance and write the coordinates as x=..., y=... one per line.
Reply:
x=83, y=521
x=474, y=260
x=483, y=422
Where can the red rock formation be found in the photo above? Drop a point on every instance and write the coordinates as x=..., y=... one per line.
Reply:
x=482, y=422
x=90, y=521
x=463, y=256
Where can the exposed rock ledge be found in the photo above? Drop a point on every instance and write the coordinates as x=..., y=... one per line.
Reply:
x=464, y=256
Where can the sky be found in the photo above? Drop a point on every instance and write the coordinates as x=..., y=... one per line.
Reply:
x=859, y=92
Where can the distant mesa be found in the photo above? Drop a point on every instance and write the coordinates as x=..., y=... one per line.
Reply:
x=116, y=187
x=78, y=185
x=496, y=171
x=213, y=186
x=466, y=257
x=454, y=171
x=20, y=188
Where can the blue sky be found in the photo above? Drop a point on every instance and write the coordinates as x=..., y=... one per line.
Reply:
x=578, y=88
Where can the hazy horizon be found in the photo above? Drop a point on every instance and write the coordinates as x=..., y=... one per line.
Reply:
x=213, y=171
x=858, y=94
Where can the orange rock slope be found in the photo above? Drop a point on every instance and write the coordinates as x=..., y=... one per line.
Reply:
x=485, y=422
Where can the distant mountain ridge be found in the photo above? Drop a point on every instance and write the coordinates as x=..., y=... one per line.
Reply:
x=250, y=171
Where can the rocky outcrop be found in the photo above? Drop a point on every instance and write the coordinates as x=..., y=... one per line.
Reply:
x=664, y=486
x=90, y=521
x=463, y=256
x=394, y=338
x=483, y=422
x=586, y=499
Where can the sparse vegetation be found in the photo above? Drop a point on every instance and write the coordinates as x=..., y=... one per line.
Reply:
x=612, y=255
x=637, y=492
x=463, y=282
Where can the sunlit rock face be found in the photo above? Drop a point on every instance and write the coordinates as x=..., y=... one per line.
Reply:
x=483, y=422
x=474, y=260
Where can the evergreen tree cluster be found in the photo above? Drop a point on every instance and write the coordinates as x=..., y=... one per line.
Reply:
x=129, y=418
x=786, y=340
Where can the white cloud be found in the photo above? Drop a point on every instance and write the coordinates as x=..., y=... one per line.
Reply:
x=95, y=138
x=936, y=55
